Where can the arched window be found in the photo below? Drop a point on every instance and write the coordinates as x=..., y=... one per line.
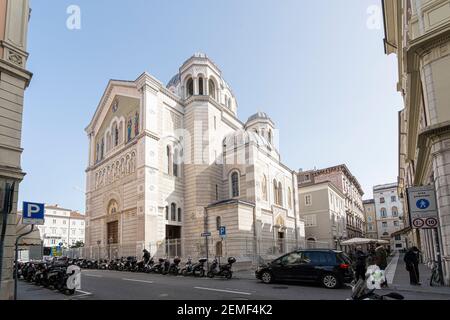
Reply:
x=115, y=135
x=169, y=159
x=229, y=103
x=179, y=214
x=289, y=198
x=200, y=86
x=175, y=162
x=235, y=184
x=190, y=87
x=212, y=89
x=255, y=130
x=167, y=212
x=270, y=136
x=394, y=212
x=275, y=191
x=173, y=212
x=218, y=222
x=383, y=213
x=264, y=188
x=280, y=194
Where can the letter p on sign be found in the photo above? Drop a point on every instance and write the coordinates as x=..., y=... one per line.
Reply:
x=33, y=213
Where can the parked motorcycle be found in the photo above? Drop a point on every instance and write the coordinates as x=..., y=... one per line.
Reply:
x=166, y=266
x=158, y=267
x=197, y=269
x=224, y=270
x=148, y=266
x=174, y=267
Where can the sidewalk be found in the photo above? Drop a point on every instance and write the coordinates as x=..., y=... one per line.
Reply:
x=398, y=278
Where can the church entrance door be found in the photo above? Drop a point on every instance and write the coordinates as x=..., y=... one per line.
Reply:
x=173, y=241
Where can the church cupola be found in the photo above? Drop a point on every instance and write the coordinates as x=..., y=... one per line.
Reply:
x=261, y=124
x=199, y=76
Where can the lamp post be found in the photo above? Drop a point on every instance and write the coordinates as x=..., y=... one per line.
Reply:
x=110, y=240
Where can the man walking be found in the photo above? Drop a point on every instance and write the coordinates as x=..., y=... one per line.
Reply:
x=412, y=265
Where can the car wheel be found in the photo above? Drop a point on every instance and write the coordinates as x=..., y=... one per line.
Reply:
x=330, y=281
x=266, y=277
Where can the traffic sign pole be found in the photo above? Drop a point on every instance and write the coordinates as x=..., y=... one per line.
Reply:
x=17, y=258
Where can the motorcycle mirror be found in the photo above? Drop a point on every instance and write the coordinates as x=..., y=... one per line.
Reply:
x=395, y=296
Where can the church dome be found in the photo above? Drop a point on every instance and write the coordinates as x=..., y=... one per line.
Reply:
x=174, y=81
x=259, y=116
x=242, y=137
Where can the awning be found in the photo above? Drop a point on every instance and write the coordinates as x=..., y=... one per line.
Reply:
x=357, y=241
x=32, y=239
x=400, y=232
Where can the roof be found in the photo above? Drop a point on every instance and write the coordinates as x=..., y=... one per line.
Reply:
x=345, y=170
x=77, y=215
x=386, y=186
x=56, y=207
x=259, y=116
x=174, y=81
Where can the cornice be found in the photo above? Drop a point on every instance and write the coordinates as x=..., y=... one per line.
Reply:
x=424, y=144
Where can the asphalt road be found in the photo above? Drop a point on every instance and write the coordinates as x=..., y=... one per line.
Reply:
x=113, y=285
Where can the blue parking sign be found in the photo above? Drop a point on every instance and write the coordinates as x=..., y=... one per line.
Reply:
x=33, y=213
x=223, y=232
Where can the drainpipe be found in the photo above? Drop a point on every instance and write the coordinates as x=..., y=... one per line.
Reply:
x=294, y=203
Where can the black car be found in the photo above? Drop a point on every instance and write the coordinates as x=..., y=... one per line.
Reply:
x=331, y=268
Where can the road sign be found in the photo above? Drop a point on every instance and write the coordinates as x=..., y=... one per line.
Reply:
x=33, y=213
x=422, y=207
x=223, y=232
x=431, y=222
x=206, y=234
x=418, y=223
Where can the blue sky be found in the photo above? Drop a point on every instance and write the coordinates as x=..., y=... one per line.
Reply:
x=314, y=67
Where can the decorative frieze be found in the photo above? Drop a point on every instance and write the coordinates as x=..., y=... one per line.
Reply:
x=116, y=169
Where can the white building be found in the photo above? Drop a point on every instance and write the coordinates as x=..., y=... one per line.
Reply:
x=169, y=162
x=62, y=226
x=389, y=214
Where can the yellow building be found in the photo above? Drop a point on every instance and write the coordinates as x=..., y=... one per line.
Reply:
x=418, y=32
x=14, y=78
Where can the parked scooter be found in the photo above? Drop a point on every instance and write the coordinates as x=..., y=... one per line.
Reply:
x=174, y=267
x=361, y=292
x=148, y=267
x=224, y=270
x=197, y=269
x=166, y=266
x=158, y=268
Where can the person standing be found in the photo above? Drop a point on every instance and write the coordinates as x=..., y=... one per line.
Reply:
x=412, y=265
x=381, y=261
x=381, y=257
x=360, y=265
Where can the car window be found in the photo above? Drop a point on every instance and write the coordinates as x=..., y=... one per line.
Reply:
x=343, y=258
x=292, y=259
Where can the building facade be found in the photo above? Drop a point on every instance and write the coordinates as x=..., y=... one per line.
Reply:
x=389, y=215
x=62, y=226
x=341, y=177
x=170, y=162
x=14, y=79
x=370, y=215
x=322, y=207
x=418, y=32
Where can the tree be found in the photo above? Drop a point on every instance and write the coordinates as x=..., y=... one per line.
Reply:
x=77, y=244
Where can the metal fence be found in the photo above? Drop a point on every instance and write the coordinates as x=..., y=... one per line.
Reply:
x=245, y=249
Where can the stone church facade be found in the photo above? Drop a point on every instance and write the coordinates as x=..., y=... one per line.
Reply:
x=170, y=162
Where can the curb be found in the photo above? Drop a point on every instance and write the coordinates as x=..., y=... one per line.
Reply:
x=401, y=288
